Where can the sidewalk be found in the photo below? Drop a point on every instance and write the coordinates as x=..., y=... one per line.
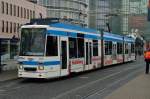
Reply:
x=9, y=70
x=8, y=75
x=138, y=88
x=9, y=65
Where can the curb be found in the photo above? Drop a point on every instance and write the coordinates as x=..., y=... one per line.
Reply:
x=9, y=80
x=8, y=75
x=7, y=68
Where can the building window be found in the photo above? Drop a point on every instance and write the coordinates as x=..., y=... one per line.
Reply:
x=7, y=26
x=33, y=14
x=24, y=13
x=18, y=11
x=30, y=14
x=14, y=27
x=21, y=12
x=4, y=47
x=10, y=27
x=27, y=13
x=10, y=9
x=6, y=8
x=3, y=8
x=3, y=26
x=18, y=27
x=14, y=10
x=40, y=14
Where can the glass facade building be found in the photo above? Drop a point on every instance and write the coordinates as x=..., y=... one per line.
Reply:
x=103, y=15
x=116, y=14
x=68, y=9
x=100, y=14
x=102, y=9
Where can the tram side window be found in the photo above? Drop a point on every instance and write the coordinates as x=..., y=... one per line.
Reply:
x=119, y=48
x=132, y=48
x=95, y=47
x=72, y=47
x=126, y=48
x=80, y=47
x=52, y=46
x=108, y=47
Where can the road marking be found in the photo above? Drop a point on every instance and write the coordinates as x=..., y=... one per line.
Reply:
x=93, y=82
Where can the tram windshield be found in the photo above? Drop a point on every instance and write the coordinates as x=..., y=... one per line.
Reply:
x=32, y=42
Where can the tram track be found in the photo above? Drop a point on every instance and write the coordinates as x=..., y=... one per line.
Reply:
x=100, y=92
x=13, y=82
x=80, y=86
x=68, y=93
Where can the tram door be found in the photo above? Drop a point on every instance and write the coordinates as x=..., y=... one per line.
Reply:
x=88, y=55
x=64, y=56
x=129, y=50
x=114, y=51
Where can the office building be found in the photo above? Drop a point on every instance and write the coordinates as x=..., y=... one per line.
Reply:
x=13, y=14
x=74, y=10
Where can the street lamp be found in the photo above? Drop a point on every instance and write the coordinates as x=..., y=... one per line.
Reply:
x=107, y=23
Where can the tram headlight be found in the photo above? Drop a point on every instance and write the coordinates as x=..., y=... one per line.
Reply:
x=40, y=67
x=20, y=67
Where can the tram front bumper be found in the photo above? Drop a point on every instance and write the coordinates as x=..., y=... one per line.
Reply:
x=44, y=74
x=23, y=74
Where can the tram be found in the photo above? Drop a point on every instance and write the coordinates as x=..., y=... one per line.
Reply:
x=55, y=50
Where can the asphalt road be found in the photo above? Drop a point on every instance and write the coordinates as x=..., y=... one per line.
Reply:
x=92, y=85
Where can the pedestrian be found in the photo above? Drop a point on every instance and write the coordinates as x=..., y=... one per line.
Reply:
x=147, y=60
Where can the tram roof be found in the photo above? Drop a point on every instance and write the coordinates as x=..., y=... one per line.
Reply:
x=112, y=35
x=73, y=27
x=116, y=37
x=107, y=35
x=129, y=39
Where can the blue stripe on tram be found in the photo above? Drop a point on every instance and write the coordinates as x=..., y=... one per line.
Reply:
x=42, y=63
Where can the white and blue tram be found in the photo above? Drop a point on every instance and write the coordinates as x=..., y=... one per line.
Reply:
x=49, y=51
